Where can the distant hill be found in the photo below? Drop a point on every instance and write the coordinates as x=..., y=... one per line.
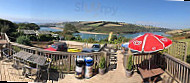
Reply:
x=179, y=32
x=108, y=26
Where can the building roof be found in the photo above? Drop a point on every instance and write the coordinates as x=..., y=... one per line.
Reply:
x=33, y=32
x=43, y=32
x=28, y=32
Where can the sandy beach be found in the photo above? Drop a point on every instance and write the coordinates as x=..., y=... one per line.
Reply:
x=56, y=28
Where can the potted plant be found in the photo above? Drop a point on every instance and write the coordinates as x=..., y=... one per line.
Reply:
x=129, y=66
x=102, y=65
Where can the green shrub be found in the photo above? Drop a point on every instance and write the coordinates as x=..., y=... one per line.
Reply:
x=43, y=37
x=23, y=40
x=33, y=38
x=102, y=62
x=78, y=38
x=91, y=40
x=17, y=49
x=69, y=37
x=129, y=64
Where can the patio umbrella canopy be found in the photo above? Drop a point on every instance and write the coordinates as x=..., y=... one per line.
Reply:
x=149, y=43
x=125, y=45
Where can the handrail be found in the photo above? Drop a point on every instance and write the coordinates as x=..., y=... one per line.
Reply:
x=6, y=37
x=52, y=52
x=177, y=68
x=177, y=60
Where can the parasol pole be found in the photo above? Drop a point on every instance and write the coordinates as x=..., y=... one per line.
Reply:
x=149, y=65
x=149, y=60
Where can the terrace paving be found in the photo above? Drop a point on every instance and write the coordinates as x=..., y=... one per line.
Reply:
x=8, y=73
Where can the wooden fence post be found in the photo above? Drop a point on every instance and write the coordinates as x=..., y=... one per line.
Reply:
x=10, y=48
x=36, y=52
x=69, y=63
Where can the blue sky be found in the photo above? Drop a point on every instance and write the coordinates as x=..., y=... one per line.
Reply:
x=162, y=13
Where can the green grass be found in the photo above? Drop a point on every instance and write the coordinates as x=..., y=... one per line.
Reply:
x=188, y=42
x=188, y=48
x=95, y=25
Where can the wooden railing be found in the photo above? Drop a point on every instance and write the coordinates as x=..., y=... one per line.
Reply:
x=177, y=69
x=143, y=60
x=5, y=37
x=62, y=61
x=178, y=49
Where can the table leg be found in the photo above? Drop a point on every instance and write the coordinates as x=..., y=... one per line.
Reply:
x=155, y=78
x=24, y=71
x=38, y=73
x=1, y=52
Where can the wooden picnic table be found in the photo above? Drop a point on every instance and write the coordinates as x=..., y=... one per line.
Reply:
x=32, y=58
x=39, y=60
x=148, y=73
x=22, y=55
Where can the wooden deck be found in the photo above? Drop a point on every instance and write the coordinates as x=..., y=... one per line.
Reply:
x=8, y=73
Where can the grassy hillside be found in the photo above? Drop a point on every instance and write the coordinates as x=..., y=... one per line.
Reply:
x=188, y=41
x=188, y=48
x=107, y=26
x=116, y=27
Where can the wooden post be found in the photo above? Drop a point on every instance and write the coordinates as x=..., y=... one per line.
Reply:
x=1, y=51
x=36, y=52
x=10, y=49
x=69, y=63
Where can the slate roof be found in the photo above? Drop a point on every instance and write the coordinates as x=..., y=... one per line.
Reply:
x=28, y=32
x=43, y=32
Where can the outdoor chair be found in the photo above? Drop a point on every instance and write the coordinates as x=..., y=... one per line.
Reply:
x=6, y=53
x=46, y=67
x=31, y=71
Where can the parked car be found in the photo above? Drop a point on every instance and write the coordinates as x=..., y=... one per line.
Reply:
x=61, y=46
x=87, y=50
x=74, y=50
x=94, y=48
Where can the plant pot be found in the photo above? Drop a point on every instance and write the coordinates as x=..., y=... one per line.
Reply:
x=102, y=71
x=129, y=73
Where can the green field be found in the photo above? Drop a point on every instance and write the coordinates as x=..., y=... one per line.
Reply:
x=95, y=25
x=188, y=41
x=188, y=49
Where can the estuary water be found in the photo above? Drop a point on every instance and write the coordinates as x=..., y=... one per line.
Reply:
x=102, y=36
